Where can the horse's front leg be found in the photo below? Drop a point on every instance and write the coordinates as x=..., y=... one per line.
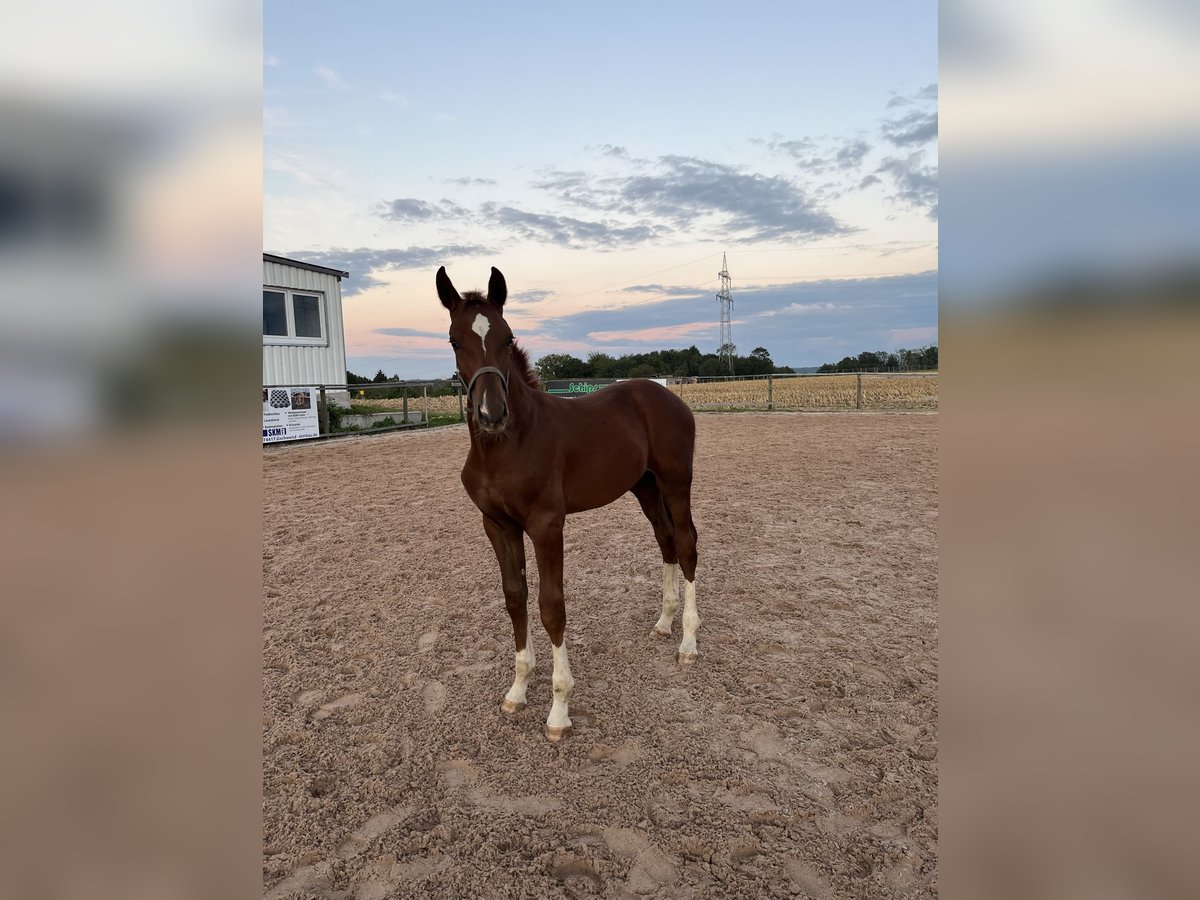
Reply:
x=508, y=540
x=547, y=538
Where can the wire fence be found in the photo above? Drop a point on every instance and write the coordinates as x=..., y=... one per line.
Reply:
x=395, y=405
x=812, y=391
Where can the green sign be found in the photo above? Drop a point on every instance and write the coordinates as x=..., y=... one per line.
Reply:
x=576, y=387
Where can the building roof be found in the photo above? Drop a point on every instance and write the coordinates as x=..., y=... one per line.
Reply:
x=299, y=264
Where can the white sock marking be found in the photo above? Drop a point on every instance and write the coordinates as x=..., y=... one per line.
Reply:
x=691, y=619
x=563, y=682
x=524, y=668
x=670, y=598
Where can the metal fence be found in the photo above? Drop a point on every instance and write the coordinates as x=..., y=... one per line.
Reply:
x=411, y=404
x=812, y=391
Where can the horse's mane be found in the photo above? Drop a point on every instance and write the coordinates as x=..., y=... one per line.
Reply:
x=520, y=357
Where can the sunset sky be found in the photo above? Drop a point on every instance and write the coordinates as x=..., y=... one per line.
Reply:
x=603, y=158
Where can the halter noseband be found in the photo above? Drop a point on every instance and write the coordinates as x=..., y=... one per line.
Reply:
x=484, y=370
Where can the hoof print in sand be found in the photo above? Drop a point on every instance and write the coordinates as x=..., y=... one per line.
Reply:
x=362, y=836
x=334, y=705
x=434, y=695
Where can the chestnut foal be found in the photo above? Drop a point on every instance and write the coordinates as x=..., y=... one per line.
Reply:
x=536, y=458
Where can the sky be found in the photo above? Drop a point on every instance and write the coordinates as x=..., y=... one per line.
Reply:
x=605, y=158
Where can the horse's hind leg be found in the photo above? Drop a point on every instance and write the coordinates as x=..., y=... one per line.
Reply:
x=679, y=503
x=653, y=505
x=508, y=541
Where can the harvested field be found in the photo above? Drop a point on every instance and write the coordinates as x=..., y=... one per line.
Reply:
x=797, y=757
x=815, y=392
x=809, y=392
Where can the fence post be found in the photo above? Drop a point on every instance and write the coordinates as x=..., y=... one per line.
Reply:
x=858, y=390
x=462, y=416
x=425, y=394
x=405, y=413
x=323, y=411
x=770, y=391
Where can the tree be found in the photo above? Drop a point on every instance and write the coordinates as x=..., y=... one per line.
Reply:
x=379, y=378
x=602, y=365
x=761, y=353
x=562, y=365
x=643, y=371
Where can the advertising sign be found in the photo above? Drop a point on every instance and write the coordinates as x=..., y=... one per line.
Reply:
x=576, y=387
x=289, y=414
x=581, y=387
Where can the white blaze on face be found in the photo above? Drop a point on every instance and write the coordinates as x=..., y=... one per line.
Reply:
x=563, y=682
x=480, y=326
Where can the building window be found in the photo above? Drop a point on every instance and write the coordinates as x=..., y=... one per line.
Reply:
x=274, y=314
x=293, y=317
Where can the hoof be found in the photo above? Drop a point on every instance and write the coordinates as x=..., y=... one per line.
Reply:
x=555, y=733
x=688, y=657
x=511, y=707
x=658, y=632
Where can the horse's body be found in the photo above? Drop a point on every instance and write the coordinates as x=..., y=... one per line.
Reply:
x=536, y=458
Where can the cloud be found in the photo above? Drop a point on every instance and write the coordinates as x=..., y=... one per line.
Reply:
x=816, y=157
x=472, y=182
x=885, y=312
x=393, y=97
x=662, y=335
x=410, y=209
x=924, y=95
x=851, y=154
x=687, y=192
x=529, y=297
x=915, y=184
x=925, y=334
x=411, y=341
x=613, y=150
x=567, y=231
x=363, y=262
x=662, y=290
x=805, y=323
x=330, y=77
x=915, y=128
x=806, y=309
x=305, y=169
x=411, y=332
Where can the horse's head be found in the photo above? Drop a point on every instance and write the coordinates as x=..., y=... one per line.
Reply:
x=483, y=347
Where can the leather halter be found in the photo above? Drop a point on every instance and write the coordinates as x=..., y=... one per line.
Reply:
x=482, y=370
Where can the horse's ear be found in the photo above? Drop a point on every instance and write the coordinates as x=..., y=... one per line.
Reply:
x=497, y=289
x=446, y=292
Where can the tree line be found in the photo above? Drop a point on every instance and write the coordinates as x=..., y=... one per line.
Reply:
x=683, y=364
x=869, y=361
x=392, y=393
x=657, y=363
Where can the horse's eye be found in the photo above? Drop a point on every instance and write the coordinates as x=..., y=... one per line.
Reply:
x=511, y=339
x=454, y=343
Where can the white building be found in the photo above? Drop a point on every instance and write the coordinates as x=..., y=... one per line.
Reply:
x=304, y=342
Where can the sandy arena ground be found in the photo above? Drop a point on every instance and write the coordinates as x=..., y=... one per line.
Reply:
x=797, y=757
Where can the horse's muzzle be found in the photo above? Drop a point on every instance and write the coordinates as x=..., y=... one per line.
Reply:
x=492, y=424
